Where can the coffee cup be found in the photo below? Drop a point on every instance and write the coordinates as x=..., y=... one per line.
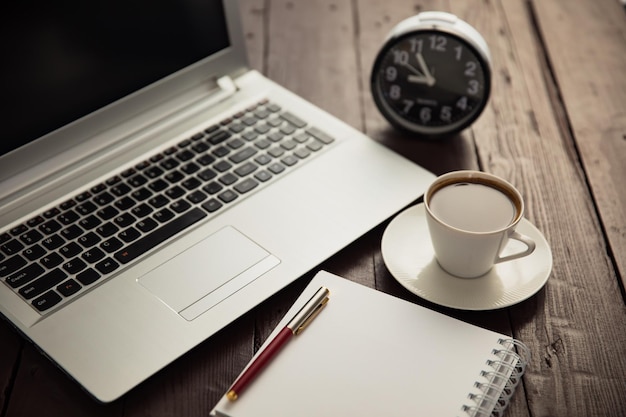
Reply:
x=472, y=217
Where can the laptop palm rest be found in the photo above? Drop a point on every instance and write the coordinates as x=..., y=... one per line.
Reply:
x=208, y=272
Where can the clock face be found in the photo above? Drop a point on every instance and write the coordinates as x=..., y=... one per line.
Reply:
x=430, y=82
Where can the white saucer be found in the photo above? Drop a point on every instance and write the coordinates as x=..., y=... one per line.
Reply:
x=409, y=256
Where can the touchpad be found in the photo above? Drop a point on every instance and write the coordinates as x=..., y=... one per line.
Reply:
x=208, y=272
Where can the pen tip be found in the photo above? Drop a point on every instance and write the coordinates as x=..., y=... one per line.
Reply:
x=231, y=395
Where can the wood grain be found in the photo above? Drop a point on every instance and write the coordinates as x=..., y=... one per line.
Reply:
x=587, y=55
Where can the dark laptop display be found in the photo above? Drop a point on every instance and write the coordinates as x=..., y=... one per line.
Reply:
x=77, y=57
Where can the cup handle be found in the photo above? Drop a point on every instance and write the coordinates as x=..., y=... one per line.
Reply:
x=530, y=247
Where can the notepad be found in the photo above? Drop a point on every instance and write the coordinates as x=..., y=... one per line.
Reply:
x=371, y=354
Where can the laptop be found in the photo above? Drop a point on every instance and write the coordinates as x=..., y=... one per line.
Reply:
x=153, y=188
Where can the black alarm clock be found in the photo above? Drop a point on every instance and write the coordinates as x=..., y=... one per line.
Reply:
x=432, y=77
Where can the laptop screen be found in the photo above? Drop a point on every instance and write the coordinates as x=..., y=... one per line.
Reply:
x=64, y=60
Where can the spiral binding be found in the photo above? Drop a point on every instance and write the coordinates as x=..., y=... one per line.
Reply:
x=498, y=383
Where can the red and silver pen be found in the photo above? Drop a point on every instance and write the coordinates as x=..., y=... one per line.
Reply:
x=295, y=326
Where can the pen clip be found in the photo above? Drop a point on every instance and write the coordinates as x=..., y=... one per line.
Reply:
x=311, y=316
x=309, y=311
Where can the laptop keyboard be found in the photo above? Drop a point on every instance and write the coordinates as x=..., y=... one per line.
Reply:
x=59, y=253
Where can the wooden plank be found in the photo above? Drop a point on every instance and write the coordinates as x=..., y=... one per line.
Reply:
x=587, y=54
x=311, y=52
x=519, y=137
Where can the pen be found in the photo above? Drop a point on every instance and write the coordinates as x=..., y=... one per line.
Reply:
x=295, y=326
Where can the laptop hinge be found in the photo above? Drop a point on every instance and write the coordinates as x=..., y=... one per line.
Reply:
x=227, y=85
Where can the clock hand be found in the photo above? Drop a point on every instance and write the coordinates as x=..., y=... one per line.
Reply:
x=429, y=77
x=418, y=79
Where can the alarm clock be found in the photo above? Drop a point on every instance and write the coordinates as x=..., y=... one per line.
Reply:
x=432, y=76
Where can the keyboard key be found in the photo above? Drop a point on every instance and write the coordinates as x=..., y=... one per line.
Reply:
x=222, y=166
x=218, y=137
x=47, y=301
x=74, y=266
x=103, y=199
x=53, y=242
x=48, y=214
x=108, y=213
x=111, y=245
x=228, y=179
x=227, y=196
x=207, y=174
x=191, y=183
x=71, y=232
x=276, y=168
x=246, y=169
x=51, y=260
x=181, y=205
x=42, y=284
x=70, y=250
x=174, y=177
x=137, y=181
x=89, y=222
x=120, y=189
x=93, y=255
x=83, y=196
x=185, y=155
x=24, y=276
x=68, y=288
x=86, y=208
x=263, y=159
x=159, y=235
x=190, y=168
x=129, y=234
x=212, y=187
x=153, y=172
x=107, y=229
x=88, y=276
x=242, y=155
x=125, y=203
x=246, y=185
x=169, y=163
x=322, y=136
x=107, y=266
x=206, y=159
x=37, y=220
x=158, y=201
x=195, y=197
x=34, y=252
x=212, y=205
x=68, y=217
x=124, y=220
x=158, y=185
x=65, y=205
x=146, y=224
x=142, y=210
x=10, y=265
x=50, y=227
x=163, y=215
x=141, y=194
x=175, y=192
x=221, y=151
x=263, y=176
x=89, y=239
x=12, y=247
x=289, y=160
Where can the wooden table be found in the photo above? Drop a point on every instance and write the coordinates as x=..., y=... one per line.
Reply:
x=555, y=127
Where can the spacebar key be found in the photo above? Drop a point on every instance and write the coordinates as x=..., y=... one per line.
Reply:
x=159, y=235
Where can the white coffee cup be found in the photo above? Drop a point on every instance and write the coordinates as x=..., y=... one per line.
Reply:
x=471, y=216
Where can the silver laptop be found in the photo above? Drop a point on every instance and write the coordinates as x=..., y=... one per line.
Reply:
x=153, y=188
